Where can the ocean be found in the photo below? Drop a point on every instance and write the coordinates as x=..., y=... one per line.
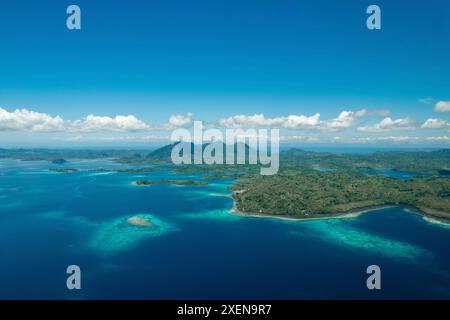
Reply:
x=50, y=220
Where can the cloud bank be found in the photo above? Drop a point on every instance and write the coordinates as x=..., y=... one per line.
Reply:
x=435, y=124
x=345, y=120
x=23, y=119
x=353, y=126
x=387, y=124
x=27, y=120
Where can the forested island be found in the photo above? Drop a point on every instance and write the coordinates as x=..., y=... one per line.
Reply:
x=313, y=184
x=174, y=182
x=306, y=194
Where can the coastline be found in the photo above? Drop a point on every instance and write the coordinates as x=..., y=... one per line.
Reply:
x=353, y=213
x=440, y=222
x=427, y=217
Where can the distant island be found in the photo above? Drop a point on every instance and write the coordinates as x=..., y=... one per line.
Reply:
x=67, y=170
x=97, y=170
x=174, y=182
x=59, y=161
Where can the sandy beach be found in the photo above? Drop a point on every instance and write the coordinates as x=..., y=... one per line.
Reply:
x=353, y=213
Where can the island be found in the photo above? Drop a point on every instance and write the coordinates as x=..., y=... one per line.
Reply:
x=65, y=170
x=173, y=182
x=310, y=193
x=59, y=161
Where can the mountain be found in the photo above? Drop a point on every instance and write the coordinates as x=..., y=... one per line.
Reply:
x=163, y=154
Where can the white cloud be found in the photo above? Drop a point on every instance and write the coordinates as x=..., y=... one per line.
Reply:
x=442, y=106
x=390, y=139
x=367, y=140
x=179, y=121
x=402, y=139
x=439, y=139
x=398, y=139
x=301, y=122
x=98, y=123
x=387, y=124
x=117, y=138
x=134, y=138
x=130, y=128
x=299, y=139
x=254, y=121
x=393, y=139
x=346, y=119
x=259, y=120
x=26, y=120
x=435, y=124
x=23, y=119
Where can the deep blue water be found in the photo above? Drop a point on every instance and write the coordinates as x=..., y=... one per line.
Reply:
x=51, y=220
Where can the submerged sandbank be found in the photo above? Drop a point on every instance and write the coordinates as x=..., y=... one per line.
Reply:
x=124, y=233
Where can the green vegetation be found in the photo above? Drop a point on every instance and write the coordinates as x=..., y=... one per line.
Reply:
x=52, y=154
x=129, y=170
x=138, y=170
x=59, y=161
x=174, y=182
x=422, y=162
x=231, y=175
x=347, y=184
x=65, y=170
x=315, y=193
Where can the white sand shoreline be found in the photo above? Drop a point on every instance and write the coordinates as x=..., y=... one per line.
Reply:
x=344, y=215
x=354, y=213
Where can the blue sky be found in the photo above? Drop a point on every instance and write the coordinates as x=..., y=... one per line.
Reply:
x=219, y=59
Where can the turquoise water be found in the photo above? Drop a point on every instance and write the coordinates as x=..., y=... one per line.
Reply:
x=197, y=249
